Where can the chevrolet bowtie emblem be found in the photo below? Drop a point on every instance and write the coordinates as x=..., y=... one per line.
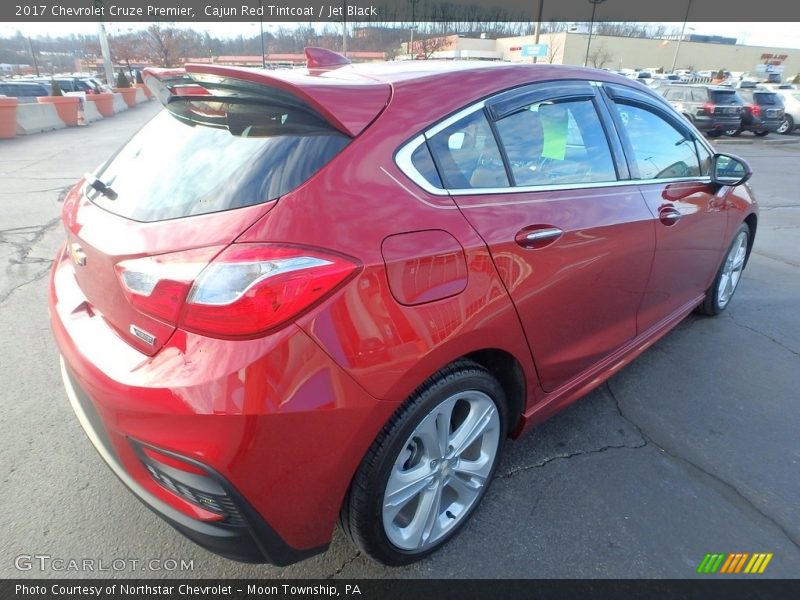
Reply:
x=77, y=255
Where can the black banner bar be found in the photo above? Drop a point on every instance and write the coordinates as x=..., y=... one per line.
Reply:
x=734, y=588
x=396, y=11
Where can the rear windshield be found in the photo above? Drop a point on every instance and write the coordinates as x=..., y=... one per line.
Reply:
x=203, y=156
x=725, y=97
x=767, y=98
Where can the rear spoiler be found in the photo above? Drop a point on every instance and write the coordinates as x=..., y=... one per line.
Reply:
x=346, y=100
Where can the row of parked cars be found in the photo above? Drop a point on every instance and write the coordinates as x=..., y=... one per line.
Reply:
x=40, y=86
x=718, y=110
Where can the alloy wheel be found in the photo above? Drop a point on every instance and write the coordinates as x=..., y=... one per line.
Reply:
x=441, y=471
x=732, y=270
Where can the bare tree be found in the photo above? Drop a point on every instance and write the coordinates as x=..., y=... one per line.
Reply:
x=165, y=44
x=600, y=56
x=553, y=48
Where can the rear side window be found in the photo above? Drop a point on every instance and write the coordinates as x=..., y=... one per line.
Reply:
x=556, y=143
x=467, y=154
x=700, y=95
x=660, y=151
x=203, y=156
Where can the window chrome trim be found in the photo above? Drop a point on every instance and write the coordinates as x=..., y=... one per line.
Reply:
x=403, y=161
x=465, y=112
x=556, y=187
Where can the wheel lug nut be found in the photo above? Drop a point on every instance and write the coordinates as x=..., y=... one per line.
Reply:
x=434, y=463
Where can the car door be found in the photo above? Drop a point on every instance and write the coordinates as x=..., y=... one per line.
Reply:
x=688, y=211
x=537, y=175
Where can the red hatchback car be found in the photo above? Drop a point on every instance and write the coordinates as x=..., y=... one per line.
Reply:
x=301, y=296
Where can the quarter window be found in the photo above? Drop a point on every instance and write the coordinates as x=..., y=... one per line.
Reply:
x=556, y=143
x=660, y=151
x=423, y=162
x=467, y=154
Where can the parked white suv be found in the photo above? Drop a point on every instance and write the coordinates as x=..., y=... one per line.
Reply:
x=791, y=110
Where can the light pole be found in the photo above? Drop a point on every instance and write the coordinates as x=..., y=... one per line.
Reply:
x=411, y=43
x=680, y=39
x=33, y=56
x=261, y=28
x=538, y=28
x=108, y=66
x=344, y=29
x=594, y=4
x=413, y=4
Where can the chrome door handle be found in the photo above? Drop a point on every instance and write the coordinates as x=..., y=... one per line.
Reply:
x=543, y=234
x=669, y=216
x=538, y=238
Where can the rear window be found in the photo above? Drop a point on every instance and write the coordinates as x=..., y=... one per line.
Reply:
x=767, y=98
x=203, y=156
x=725, y=97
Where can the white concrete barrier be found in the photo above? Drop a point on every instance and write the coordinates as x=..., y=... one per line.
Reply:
x=119, y=103
x=34, y=118
x=140, y=96
x=91, y=112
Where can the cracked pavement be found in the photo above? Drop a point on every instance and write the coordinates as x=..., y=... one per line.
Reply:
x=693, y=448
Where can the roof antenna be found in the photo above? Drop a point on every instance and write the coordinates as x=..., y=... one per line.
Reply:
x=322, y=58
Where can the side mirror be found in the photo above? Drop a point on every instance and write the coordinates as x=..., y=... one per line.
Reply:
x=729, y=170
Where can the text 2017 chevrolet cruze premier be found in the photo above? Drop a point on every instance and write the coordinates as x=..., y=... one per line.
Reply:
x=301, y=296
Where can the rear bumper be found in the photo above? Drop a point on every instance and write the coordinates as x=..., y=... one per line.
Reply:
x=705, y=123
x=770, y=125
x=275, y=422
x=255, y=541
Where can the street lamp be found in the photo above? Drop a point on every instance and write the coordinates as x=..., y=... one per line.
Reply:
x=680, y=39
x=594, y=4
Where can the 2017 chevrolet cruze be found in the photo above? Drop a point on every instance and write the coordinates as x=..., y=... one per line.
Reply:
x=301, y=296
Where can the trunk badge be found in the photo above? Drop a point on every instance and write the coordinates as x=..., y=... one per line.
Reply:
x=77, y=255
x=147, y=338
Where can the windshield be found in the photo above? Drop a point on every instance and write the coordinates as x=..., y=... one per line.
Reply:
x=202, y=156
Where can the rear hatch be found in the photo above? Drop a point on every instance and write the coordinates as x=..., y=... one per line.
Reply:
x=229, y=144
x=725, y=104
x=771, y=105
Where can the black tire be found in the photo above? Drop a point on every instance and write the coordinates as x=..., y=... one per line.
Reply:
x=734, y=132
x=713, y=134
x=761, y=133
x=787, y=126
x=361, y=515
x=712, y=305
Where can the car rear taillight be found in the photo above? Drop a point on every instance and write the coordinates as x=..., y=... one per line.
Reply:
x=158, y=285
x=755, y=109
x=709, y=107
x=244, y=290
x=252, y=288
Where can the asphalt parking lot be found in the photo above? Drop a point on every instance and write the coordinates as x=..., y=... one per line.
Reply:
x=693, y=448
